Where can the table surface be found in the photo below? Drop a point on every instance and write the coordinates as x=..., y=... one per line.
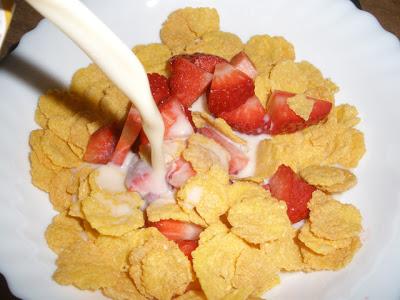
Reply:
x=386, y=11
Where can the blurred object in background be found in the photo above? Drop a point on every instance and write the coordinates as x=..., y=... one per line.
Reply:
x=24, y=18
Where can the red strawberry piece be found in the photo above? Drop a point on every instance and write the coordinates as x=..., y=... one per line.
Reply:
x=178, y=172
x=286, y=185
x=230, y=88
x=187, y=247
x=159, y=87
x=206, y=61
x=175, y=120
x=187, y=81
x=101, y=145
x=130, y=131
x=238, y=160
x=284, y=120
x=248, y=118
x=243, y=63
x=177, y=230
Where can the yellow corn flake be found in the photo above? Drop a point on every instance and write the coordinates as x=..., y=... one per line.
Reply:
x=320, y=245
x=285, y=253
x=172, y=149
x=41, y=175
x=253, y=179
x=90, y=233
x=201, y=119
x=58, y=103
x=40, y=118
x=262, y=87
x=206, y=193
x=203, y=153
x=212, y=231
x=86, y=266
x=159, y=269
x=331, y=219
x=58, y=151
x=265, y=51
x=113, y=213
x=330, y=143
x=124, y=289
x=94, y=126
x=255, y=271
x=288, y=76
x=329, y=179
x=61, y=126
x=79, y=174
x=223, y=44
x=79, y=133
x=242, y=190
x=347, y=115
x=259, y=219
x=192, y=295
x=183, y=26
x=82, y=193
x=153, y=57
x=156, y=212
x=59, y=196
x=63, y=232
x=301, y=105
x=214, y=262
x=114, y=105
x=35, y=143
x=333, y=261
x=89, y=84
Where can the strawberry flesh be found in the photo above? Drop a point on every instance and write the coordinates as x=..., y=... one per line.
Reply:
x=159, y=87
x=187, y=81
x=129, y=134
x=101, y=145
x=284, y=120
x=243, y=63
x=248, y=118
x=238, y=160
x=177, y=230
x=287, y=186
x=230, y=88
x=206, y=62
x=178, y=172
x=187, y=247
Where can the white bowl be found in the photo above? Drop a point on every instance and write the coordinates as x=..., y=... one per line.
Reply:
x=348, y=46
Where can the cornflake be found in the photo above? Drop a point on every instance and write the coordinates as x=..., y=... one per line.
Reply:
x=40, y=118
x=86, y=266
x=223, y=44
x=321, y=245
x=241, y=190
x=41, y=175
x=301, y=106
x=154, y=57
x=159, y=269
x=206, y=194
x=124, y=289
x=331, y=219
x=63, y=232
x=203, y=153
x=329, y=179
x=262, y=87
x=265, y=51
x=183, y=26
x=192, y=295
x=35, y=143
x=333, y=142
x=59, y=196
x=258, y=219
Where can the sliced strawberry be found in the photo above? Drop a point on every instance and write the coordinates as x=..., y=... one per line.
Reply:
x=229, y=89
x=248, y=118
x=131, y=130
x=206, y=61
x=238, y=160
x=177, y=230
x=243, y=63
x=178, y=172
x=175, y=120
x=101, y=145
x=187, y=247
x=159, y=87
x=286, y=185
x=284, y=120
x=187, y=81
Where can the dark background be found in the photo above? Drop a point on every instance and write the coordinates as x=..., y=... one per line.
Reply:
x=387, y=12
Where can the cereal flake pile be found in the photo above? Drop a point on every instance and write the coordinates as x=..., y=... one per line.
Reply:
x=113, y=239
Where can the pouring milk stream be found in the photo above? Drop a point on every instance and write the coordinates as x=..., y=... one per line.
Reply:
x=116, y=60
